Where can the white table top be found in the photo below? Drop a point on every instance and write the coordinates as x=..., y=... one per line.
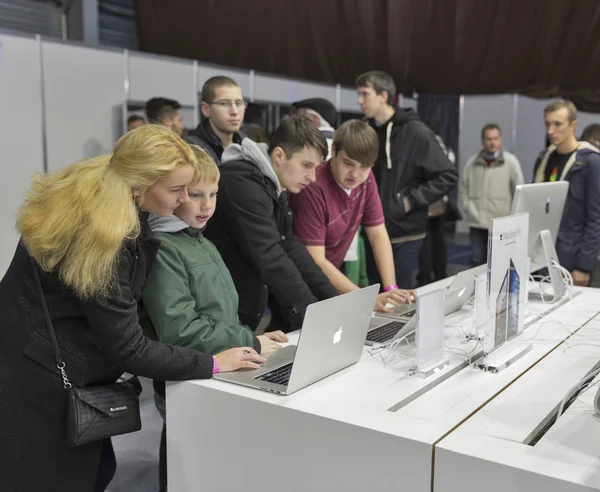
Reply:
x=493, y=438
x=363, y=393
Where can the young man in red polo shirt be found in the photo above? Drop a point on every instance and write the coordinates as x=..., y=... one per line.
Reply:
x=328, y=213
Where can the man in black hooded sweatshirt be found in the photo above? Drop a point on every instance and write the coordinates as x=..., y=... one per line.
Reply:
x=411, y=171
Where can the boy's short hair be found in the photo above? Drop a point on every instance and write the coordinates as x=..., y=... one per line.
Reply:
x=562, y=103
x=296, y=132
x=210, y=87
x=358, y=139
x=379, y=81
x=207, y=170
x=158, y=108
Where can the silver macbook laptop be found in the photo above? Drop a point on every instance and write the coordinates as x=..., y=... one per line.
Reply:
x=332, y=338
x=458, y=293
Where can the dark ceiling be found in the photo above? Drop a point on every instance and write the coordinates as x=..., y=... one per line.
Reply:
x=537, y=47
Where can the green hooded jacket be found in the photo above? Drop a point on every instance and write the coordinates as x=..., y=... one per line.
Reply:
x=189, y=296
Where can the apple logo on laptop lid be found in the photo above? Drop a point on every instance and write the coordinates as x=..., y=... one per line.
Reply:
x=337, y=336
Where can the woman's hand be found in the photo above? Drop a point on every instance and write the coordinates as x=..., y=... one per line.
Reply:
x=238, y=358
x=267, y=344
x=277, y=336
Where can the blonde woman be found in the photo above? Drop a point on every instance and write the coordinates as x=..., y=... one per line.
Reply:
x=85, y=229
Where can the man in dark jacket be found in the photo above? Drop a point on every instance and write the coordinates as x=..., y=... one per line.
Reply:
x=223, y=108
x=411, y=171
x=566, y=159
x=252, y=225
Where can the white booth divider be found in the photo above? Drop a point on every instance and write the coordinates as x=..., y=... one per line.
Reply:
x=530, y=134
x=21, y=138
x=277, y=89
x=160, y=76
x=152, y=76
x=242, y=77
x=84, y=92
x=348, y=100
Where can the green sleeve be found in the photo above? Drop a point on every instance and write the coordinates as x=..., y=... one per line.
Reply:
x=174, y=313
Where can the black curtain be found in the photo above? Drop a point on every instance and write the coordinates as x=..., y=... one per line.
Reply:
x=446, y=110
x=543, y=48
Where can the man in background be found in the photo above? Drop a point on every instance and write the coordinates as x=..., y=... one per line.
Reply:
x=591, y=134
x=566, y=159
x=487, y=188
x=223, y=107
x=433, y=256
x=135, y=121
x=322, y=113
x=164, y=111
x=411, y=171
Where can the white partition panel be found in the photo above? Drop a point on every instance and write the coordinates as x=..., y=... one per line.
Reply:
x=275, y=89
x=348, y=100
x=84, y=94
x=478, y=111
x=530, y=134
x=242, y=77
x=409, y=102
x=162, y=77
x=20, y=132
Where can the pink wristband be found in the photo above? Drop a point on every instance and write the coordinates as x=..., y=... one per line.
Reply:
x=390, y=287
x=215, y=365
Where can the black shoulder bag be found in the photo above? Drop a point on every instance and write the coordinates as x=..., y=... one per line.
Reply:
x=94, y=412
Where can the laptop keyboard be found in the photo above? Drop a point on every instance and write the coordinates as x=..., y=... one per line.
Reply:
x=281, y=375
x=385, y=332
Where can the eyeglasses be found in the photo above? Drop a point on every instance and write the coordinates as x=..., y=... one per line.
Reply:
x=226, y=105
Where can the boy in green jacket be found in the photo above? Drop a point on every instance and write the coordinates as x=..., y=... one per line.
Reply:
x=189, y=296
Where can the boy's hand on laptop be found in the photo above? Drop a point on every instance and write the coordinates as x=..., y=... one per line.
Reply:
x=238, y=358
x=267, y=345
x=383, y=301
x=277, y=336
x=392, y=298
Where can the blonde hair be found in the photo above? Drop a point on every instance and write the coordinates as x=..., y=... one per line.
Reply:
x=562, y=103
x=207, y=170
x=75, y=221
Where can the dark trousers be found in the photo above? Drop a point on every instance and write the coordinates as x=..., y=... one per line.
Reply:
x=432, y=257
x=107, y=466
x=406, y=262
x=479, y=246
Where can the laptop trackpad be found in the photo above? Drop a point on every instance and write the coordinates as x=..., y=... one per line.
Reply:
x=280, y=357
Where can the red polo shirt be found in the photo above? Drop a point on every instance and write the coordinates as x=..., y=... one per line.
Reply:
x=326, y=215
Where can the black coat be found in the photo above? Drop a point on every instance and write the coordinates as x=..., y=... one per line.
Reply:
x=204, y=136
x=99, y=340
x=418, y=169
x=578, y=241
x=252, y=227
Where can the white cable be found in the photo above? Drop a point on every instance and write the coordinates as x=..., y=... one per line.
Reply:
x=573, y=390
x=464, y=355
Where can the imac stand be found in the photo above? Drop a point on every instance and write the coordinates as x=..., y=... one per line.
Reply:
x=550, y=260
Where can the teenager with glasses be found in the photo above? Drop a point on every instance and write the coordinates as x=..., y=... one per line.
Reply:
x=223, y=108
